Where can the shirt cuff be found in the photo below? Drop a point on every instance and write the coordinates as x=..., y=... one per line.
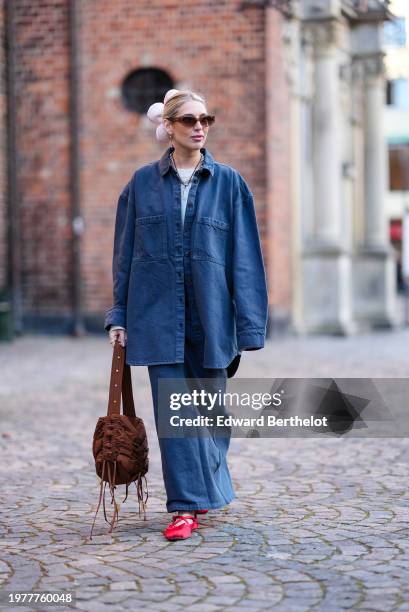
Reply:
x=115, y=316
x=250, y=340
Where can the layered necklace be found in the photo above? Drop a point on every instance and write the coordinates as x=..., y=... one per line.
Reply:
x=185, y=183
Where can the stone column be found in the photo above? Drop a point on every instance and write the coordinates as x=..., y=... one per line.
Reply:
x=292, y=65
x=374, y=267
x=326, y=264
x=326, y=135
x=375, y=228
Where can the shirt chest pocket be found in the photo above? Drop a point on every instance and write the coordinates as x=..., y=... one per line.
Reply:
x=211, y=240
x=150, y=238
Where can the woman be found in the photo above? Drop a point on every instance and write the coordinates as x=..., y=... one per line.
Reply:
x=189, y=294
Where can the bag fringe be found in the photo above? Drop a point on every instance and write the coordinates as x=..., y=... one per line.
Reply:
x=142, y=495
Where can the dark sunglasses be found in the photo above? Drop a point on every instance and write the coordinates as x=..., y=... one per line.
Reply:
x=190, y=120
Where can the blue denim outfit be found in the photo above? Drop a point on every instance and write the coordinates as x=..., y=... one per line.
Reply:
x=225, y=257
x=195, y=470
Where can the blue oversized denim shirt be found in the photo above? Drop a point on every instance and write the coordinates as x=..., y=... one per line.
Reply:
x=227, y=266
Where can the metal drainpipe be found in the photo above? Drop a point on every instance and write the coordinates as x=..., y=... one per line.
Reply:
x=78, y=328
x=13, y=198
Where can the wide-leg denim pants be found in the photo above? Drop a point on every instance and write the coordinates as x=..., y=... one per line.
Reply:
x=194, y=467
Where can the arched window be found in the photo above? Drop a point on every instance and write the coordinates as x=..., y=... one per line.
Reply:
x=143, y=87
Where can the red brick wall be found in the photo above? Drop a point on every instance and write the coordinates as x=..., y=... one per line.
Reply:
x=218, y=50
x=41, y=80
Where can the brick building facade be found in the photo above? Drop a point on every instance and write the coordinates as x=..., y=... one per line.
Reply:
x=76, y=144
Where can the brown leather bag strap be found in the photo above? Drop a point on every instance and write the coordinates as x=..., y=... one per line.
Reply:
x=120, y=384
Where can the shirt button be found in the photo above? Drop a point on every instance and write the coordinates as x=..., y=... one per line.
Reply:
x=187, y=252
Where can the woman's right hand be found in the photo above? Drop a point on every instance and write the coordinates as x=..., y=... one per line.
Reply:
x=119, y=334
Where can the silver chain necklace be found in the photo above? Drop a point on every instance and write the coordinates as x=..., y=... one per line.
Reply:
x=185, y=183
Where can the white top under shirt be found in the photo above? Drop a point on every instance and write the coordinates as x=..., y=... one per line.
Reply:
x=185, y=174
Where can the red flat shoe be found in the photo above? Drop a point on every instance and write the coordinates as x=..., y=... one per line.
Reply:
x=201, y=511
x=181, y=527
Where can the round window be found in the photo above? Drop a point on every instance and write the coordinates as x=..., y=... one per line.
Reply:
x=143, y=87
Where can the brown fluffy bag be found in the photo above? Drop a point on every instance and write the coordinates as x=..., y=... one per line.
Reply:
x=120, y=445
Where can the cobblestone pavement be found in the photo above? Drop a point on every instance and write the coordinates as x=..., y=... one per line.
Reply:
x=317, y=524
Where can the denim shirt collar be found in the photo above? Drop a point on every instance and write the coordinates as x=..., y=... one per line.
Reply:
x=208, y=162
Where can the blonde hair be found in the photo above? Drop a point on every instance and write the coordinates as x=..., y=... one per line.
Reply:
x=172, y=106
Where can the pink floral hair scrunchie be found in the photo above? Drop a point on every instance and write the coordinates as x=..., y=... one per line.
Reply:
x=155, y=114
